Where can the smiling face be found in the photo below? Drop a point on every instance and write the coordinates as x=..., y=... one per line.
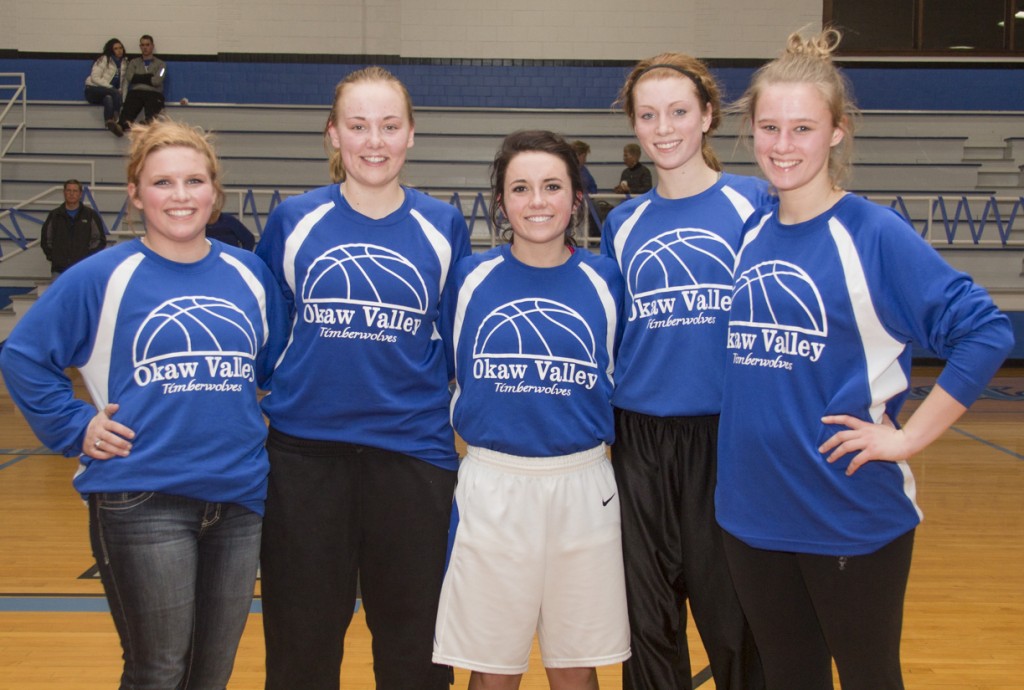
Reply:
x=176, y=196
x=373, y=131
x=538, y=200
x=670, y=122
x=793, y=137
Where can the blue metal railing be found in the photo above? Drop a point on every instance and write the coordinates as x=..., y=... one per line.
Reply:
x=975, y=221
x=965, y=226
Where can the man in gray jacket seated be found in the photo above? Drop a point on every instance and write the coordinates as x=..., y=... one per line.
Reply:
x=144, y=79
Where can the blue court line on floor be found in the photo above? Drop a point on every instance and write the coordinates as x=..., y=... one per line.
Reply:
x=22, y=455
x=86, y=604
x=82, y=604
x=53, y=604
x=988, y=443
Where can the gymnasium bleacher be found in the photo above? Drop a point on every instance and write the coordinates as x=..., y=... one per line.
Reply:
x=957, y=176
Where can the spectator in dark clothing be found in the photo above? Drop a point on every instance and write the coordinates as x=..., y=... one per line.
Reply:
x=229, y=230
x=635, y=179
x=595, y=212
x=72, y=231
x=145, y=81
x=582, y=150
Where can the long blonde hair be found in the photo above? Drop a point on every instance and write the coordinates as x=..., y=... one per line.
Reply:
x=809, y=61
x=684, y=66
x=372, y=73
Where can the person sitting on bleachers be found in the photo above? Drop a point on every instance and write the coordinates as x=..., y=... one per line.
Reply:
x=144, y=80
x=635, y=179
x=103, y=85
x=582, y=150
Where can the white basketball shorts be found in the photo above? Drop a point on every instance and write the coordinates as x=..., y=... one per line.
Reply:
x=537, y=548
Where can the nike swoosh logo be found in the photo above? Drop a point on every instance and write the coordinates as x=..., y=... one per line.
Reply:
x=607, y=500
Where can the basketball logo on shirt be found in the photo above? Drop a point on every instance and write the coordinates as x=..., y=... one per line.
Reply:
x=777, y=311
x=363, y=291
x=535, y=345
x=678, y=276
x=206, y=341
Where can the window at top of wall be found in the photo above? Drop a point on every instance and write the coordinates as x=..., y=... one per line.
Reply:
x=874, y=25
x=935, y=27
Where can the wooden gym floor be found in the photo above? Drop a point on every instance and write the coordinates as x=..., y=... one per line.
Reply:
x=963, y=629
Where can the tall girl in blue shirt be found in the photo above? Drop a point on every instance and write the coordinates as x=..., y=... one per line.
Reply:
x=815, y=493
x=362, y=456
x=676, y=246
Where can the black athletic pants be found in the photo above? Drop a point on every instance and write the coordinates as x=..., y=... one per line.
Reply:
x=336, y=512
x=138, y=101
x=666, y=469
x=806, y=610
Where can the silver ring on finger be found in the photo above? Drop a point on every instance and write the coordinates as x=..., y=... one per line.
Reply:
x=97, y=444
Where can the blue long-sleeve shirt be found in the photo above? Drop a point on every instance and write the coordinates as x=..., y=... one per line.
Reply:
x=822, y=321
x=181, y=348
x=365, y=363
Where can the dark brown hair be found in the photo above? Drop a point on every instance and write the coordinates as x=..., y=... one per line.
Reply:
x=542, y=141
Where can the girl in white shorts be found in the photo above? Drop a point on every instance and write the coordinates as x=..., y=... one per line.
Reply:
x=535, y=542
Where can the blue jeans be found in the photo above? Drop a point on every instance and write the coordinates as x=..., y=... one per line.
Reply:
x=110, y=99
x=179, y=576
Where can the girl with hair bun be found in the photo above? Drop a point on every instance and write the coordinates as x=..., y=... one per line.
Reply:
x=362, y=455
x=536, y=540
x=172, y=334
x=815, y=493
x=675, y=246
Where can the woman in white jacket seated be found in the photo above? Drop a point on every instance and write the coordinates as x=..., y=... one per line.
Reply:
x=103, y=86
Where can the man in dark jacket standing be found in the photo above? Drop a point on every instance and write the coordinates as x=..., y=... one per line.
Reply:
x=72, y=231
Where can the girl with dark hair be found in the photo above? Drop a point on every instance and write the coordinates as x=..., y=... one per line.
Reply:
x=535, y=535
x=675, y=246
x=815, y=494
x=105, y=83
x=362, y=456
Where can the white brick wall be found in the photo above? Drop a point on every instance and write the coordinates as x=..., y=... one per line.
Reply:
x=750, y=28
x=526, y=29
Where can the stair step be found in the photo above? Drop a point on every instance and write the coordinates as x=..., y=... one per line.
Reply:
x=20, y=304
x=1007, y=166
x=985, y=153
x=999, y=179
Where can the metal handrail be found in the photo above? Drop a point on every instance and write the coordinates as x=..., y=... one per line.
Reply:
x=19, y=93
x=63, y=162
x=940, y=228
x=935, y=223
